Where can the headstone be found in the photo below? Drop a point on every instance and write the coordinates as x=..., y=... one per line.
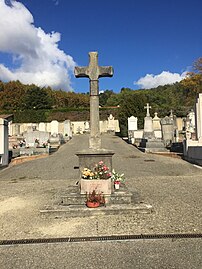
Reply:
x=42, y=126
x=86, y=127
x=36, y=138
x=198, y=112
x=157, y=126
x=132, y=127
x=156, y=122
x=54, y=127
x=67, y=128
x=4, y=157
x=111, y=123
x=148, y=125
x=167, y=130
x=193, y=147
x=132, y=123
x=190, y=123
x=150, y=143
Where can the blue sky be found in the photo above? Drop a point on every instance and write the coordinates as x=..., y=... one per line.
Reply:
x=148, y=42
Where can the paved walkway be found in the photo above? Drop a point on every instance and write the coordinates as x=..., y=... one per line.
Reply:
x=172, y=186
x=127, y=159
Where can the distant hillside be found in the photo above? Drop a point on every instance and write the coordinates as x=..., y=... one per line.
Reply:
x=30, y=103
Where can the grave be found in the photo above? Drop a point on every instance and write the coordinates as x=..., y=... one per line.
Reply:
x=192, y=145
x=168, y=130
x=4, y=153
x=149, y=142
x=132, y=126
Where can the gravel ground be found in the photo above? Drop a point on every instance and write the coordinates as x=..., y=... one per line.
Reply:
x=172, y=186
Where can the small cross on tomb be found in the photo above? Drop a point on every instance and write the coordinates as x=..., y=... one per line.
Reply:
x=147, y=108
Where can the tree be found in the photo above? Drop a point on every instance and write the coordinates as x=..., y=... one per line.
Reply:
x=37, y=98
x=131, y=104
x=104, y=96
x=193, y=81
x=11, y=95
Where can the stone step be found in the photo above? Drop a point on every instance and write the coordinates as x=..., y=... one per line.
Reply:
x=84, y=211
x=72, y=196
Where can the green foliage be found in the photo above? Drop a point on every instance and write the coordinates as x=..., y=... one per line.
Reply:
x=104, y=97
x=36, y=98
x=30, y=115
x=131, y=103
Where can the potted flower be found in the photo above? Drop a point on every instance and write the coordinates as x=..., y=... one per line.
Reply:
x=97, y=177
x=117, y=178
x=94, y=200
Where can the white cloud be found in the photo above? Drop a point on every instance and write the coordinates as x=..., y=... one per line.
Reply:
x=166, y=77
x=35, y=52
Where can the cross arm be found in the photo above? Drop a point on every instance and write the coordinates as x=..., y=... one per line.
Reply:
x=105, y=71
x=81, y=72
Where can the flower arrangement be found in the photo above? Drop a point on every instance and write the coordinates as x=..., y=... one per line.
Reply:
x=99, y=171
x=117, y=178
x=94, y=199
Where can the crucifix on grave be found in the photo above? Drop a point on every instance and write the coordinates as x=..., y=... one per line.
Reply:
x=147, y=108
x=93, y=71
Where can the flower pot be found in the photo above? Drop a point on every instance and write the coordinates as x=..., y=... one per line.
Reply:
x=92, y=204
x=116, y=186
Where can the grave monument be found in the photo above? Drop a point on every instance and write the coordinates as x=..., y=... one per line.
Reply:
x=149, y=142
x=4, y=157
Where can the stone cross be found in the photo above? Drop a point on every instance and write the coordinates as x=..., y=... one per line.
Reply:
x=147, y=108
x=94, y=72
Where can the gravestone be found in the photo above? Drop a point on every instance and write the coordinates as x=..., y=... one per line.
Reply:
x=86, y=127
x=111, y=123
x=132, y=126
x=190, y=125
x=132, y=123
x=150, y=143
x=42, y=126
x=36, y=138
x=167, y=130
x=193, y=147
x=148, y=124
x=54, y=127
x=157, y=126
x=4, y=157
x=67, y=129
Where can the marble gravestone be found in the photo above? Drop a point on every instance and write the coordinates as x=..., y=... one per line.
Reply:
x=132, y=126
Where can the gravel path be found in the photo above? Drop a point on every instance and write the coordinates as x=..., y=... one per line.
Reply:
x=172, y=186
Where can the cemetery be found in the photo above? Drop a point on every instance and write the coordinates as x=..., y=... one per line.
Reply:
x=158, y=136
x=100, y=134
x=97, y=183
